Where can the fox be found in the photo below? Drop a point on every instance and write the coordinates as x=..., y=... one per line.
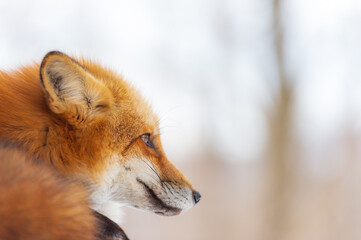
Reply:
x=95, y=129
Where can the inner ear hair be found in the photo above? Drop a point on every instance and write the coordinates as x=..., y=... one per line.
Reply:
x=65, y=79
x=72, y=90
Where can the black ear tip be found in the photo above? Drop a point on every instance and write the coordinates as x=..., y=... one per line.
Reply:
x=49, y=54
x=45, y=61
x=54, y=52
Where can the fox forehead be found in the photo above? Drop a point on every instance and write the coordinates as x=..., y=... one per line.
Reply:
x=131, y=113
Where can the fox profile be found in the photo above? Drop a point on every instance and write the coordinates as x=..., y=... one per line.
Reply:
x=95, y=130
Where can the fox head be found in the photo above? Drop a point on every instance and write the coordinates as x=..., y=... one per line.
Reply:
x=106, y=136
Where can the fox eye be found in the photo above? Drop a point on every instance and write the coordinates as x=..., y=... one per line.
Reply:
x=146, y=139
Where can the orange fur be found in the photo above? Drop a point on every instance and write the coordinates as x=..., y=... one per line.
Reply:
x=36, y=203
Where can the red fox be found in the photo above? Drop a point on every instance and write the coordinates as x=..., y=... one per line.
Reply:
x=95, y=130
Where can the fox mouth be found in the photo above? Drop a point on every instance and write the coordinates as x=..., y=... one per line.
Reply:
x=162, y=208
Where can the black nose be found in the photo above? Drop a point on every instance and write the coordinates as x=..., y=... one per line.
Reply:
x=197, y=196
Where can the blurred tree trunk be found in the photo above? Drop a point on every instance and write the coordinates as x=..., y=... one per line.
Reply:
x=280, y=165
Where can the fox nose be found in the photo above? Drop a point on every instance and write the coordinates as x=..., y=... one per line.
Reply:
x=197, y=196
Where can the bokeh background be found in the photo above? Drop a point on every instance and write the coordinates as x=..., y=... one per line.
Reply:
x=259, y=100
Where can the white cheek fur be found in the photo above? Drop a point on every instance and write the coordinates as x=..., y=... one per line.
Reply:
x=101, y=197
x=120, y=187
x=117, y=189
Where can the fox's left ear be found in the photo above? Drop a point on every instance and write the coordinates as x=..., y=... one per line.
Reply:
x=72, y=91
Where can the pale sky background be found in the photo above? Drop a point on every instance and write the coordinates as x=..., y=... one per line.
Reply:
x=206, y=66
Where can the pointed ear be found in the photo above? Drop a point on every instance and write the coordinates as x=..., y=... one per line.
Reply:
x=72, y=91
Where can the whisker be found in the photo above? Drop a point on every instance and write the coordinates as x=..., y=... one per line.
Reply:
x=157, y=183
x=153, y=169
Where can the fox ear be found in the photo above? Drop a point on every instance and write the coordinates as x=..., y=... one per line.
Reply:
x=72, y=91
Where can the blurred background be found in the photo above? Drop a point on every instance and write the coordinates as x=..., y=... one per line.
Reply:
x=259, y=101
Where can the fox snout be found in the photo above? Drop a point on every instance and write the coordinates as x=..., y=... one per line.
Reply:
x=165, y=196
x=156, y=184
